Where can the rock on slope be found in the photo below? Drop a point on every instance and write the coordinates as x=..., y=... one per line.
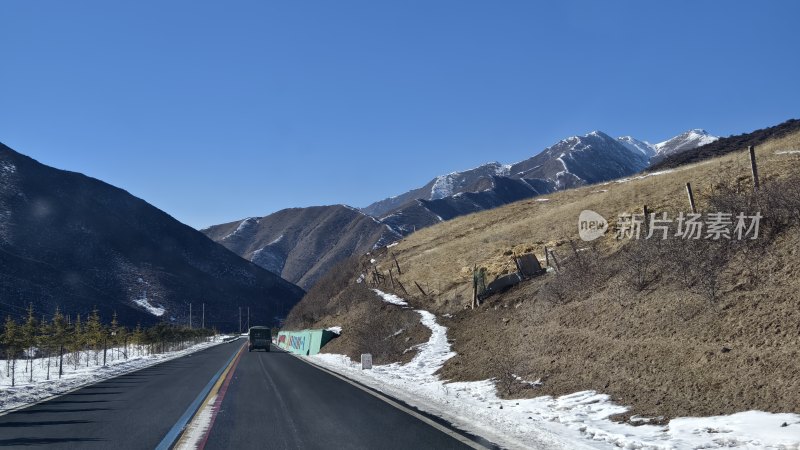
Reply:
x=301, y=244
x=73, y=242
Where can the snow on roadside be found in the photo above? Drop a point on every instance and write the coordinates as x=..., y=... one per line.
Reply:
x=337, y=329
x=198, y=427
x=579, y=420
x=391, y=298
x=25, y=393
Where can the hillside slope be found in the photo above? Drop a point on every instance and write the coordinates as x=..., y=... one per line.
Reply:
x=73, y=242
x=301, y=244
x=682, y=328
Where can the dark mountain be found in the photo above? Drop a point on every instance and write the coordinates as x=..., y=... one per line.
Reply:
x=472, y=180
x=301, y=244
x=727, y=145
x=580, y=160
x=71, y=241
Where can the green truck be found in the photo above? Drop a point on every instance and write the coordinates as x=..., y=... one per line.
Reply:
x=259, y=337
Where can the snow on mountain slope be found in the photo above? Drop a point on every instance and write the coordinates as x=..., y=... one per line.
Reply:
x=455, y=182
x=578, y=160
x=634, y=144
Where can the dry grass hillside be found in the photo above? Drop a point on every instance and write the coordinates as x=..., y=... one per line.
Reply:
x=670, y=328
x=441, y=258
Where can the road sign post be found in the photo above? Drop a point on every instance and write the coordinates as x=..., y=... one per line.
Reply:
x=366, y=361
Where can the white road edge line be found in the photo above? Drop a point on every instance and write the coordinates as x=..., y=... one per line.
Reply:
x=457, y=436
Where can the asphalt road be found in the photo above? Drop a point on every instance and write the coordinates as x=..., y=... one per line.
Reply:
x=132, y=411
x=276, y=401
x=273, y=400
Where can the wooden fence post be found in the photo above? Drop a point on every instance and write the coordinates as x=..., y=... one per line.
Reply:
x=753, y=166
x=474, y=288
x=691, y=197
x=420, y=289
x=402, y=287
x=399, y=272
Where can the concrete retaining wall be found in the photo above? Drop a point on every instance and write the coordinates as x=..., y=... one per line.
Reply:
x=305, y=342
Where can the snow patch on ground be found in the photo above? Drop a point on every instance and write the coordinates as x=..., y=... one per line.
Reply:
x=788, y=152
x=640, y=177
x=337, y=329
x=26, y=392
x=149, y=307
x=575, y=421
x=8, y=168
x=391, y=298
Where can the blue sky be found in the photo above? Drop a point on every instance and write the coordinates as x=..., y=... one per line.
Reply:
x=215, y=111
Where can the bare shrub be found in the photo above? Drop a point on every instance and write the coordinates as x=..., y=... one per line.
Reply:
x=639, y=262
x=509, y=369
x=584, y=271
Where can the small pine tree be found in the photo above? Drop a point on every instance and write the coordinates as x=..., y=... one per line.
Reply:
x=76, y=340
x=114, y=332
x=59, y=335
x=93, y=333
x=138, y=337
x=45, y=341
x=29, y=339
x=12, y=340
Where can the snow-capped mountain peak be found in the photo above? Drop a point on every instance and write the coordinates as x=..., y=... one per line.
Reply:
x=687, y=140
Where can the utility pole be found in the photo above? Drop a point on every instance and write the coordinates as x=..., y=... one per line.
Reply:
x=190, y=315
x=240, y=320
x=248, y=317
x=203, y=323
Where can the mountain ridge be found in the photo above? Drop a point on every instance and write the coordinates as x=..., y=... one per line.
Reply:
x=300, y=244
x=571, y=162
x=71, y=241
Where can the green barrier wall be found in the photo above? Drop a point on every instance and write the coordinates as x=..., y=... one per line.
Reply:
x=305, y=342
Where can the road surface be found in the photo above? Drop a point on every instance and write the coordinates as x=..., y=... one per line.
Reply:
x=273, y=400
